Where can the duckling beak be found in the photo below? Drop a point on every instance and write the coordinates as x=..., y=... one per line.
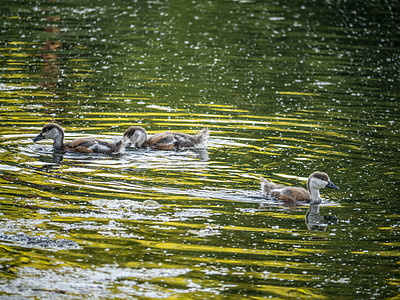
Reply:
x=331, y=185
x=38, y=138
x=121, y=143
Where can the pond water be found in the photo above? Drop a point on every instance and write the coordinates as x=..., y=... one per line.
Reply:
x=286, y=88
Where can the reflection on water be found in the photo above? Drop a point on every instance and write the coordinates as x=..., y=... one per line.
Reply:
x=285, y=89
x=315, y=221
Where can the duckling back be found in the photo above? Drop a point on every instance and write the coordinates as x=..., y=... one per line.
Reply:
x=93, y=145
x=291, y=194
x=186, y=141
x=178, y=141
x=284, y=193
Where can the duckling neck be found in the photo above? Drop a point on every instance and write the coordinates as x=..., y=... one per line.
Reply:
x=314, y=193
x=58, y=141
x=315, y=196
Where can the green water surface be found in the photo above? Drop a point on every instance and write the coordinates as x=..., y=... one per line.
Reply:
x=286, y=88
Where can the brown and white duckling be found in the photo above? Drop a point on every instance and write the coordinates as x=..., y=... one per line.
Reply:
x=84, y=145
x=316, y=181
x=167, y=140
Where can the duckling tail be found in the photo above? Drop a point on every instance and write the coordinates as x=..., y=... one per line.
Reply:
x=267, y=186
x=202, y=137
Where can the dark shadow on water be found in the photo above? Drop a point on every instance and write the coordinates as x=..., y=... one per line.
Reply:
x=29, y=241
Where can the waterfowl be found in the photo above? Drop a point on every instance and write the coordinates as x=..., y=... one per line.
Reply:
x=84, y=145
x=316, y=181
x=167, y=140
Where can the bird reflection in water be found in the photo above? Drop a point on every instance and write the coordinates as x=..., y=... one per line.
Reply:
x=201, y=154
x=315, y=221
x=51, y=162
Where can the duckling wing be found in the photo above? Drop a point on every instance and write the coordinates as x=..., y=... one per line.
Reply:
x=159, y=139
x=301, y=194
x=90, y=145
x=291, y=194
x=101, y=146
x=80, y=145
x=183, y=141
x=171, y=141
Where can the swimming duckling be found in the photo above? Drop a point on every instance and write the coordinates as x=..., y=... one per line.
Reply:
x=167, y=140
x=316, y=181
x=84, y=145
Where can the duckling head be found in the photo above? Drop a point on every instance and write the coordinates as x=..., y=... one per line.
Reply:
x=51, y=131
x=135, y=135
x=320, y=180
x=317, y=181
